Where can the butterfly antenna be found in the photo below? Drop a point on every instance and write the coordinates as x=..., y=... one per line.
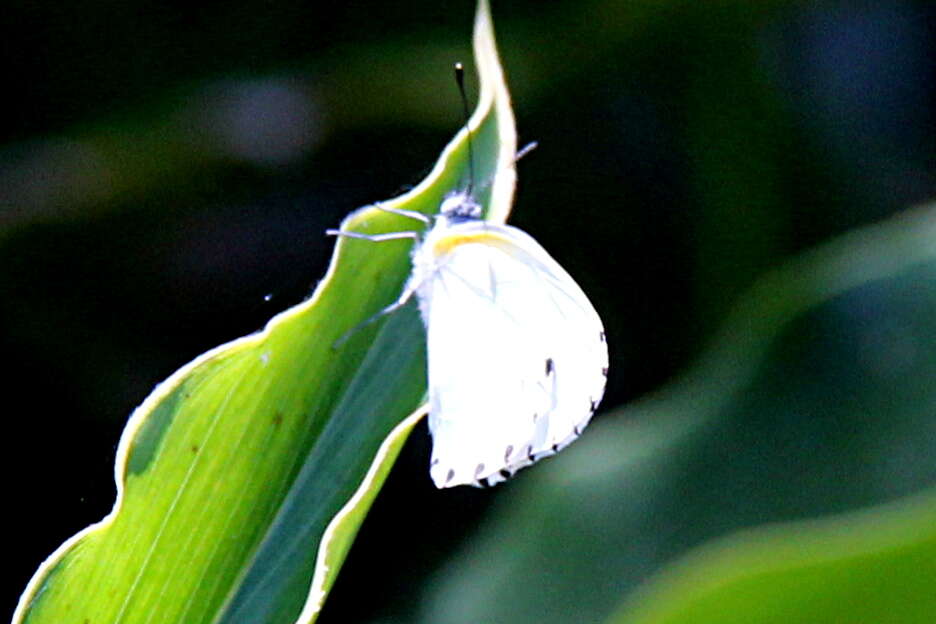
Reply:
x=460, y=81
x=526, y=149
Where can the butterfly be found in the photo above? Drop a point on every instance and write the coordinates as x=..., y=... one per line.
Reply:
x=517, y=355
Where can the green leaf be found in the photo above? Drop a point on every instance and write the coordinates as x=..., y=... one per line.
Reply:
x=816, y=399
x=872, y=566
x=244, y=477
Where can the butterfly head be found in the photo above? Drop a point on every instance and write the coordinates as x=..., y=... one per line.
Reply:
x=459, y=206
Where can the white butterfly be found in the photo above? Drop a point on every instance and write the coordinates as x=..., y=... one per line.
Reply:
x=517, y=354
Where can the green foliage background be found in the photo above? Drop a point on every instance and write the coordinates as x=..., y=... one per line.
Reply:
x=727, y=181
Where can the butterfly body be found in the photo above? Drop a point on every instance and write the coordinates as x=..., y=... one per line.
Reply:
x=517, y=360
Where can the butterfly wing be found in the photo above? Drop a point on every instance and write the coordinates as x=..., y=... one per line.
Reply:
x=516, y=354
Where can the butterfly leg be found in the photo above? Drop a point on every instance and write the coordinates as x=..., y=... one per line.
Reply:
x=411, y=214
x=396, y=305
x=374, y=238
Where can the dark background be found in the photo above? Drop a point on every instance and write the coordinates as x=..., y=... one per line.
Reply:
x=167, y=172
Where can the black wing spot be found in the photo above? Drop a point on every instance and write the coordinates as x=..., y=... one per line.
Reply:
x=555, y=448
x=508, y=452
x=577, y=431
x=601, y=336
x=529, y=452
x=550, y=366
x=485, y=482
x=479, y=470
x=593, y=405
x=604, y=371
x=450, y=476
x=505, y=473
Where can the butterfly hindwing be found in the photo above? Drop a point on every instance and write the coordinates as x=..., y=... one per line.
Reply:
x=516, y=352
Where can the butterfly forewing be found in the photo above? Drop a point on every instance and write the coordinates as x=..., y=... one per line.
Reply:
x=516, y=352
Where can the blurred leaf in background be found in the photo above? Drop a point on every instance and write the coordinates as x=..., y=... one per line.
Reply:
x=876, y=565
x=165, y=169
